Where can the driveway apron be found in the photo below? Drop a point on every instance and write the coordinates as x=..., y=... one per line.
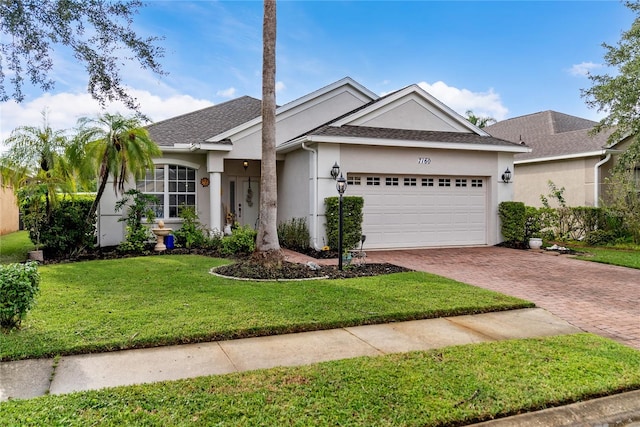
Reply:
x=594, y=297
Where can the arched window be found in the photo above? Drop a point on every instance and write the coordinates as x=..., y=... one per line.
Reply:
x=173, y=185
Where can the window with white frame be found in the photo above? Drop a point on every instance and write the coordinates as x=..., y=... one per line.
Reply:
x=173, y=185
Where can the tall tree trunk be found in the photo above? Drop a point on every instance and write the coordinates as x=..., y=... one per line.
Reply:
x=267, y=245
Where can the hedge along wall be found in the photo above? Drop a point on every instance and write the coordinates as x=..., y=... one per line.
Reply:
x=351, y=221
x=513, y=217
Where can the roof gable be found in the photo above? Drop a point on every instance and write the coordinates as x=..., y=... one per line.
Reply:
x=411, y=108
x=346, y=88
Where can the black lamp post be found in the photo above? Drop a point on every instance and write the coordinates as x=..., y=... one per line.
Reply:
x=341, y=186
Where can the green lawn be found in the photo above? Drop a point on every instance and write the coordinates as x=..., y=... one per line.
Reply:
x=169, y=299
x=14, y=247
x=623, y=257
x=449, y=386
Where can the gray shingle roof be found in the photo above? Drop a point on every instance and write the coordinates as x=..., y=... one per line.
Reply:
x=550, y=134
x=410, y=135
x=198, y=126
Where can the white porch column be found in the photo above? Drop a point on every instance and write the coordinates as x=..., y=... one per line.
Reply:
x=215, y=167
x=215, y=200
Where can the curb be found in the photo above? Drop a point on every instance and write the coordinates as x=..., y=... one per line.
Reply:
x=617, y=410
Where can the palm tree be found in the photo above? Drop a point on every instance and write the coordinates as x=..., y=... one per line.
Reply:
x=35, y=158
x=112, y=146
x=479, y=121
x=267, y=245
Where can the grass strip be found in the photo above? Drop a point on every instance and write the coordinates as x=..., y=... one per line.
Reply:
x=621, y=257
x=449, y=386
x=15, y=247
x=150, y=301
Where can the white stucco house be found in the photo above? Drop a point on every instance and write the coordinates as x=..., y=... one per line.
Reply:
x=428, y=177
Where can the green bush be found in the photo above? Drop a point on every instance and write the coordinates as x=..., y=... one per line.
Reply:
x=352, y=221
x=191, y=233
x=19, y=284
x=294, y=234
x=512, y=217
x=600, y=237
x=241, y=242
x=138, y=206
x=67, y=231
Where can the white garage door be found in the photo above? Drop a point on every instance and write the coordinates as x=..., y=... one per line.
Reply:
x=421, y=211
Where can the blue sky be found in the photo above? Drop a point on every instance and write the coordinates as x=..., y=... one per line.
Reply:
x=501, y=59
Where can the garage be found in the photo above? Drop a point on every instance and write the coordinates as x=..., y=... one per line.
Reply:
x=421, y=211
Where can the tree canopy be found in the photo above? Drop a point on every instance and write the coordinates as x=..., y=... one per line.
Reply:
x=97, y=31
x=618, y=95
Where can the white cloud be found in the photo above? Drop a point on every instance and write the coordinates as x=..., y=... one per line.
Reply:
x=64, y=109
x=227, y=93
x=483, y=104
x=583, y=68
x=280, y=86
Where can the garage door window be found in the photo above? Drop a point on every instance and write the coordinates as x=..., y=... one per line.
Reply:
x=427, y=182
x=476, y=183
x=409, y=182
x=373, y=180
x=353, y=180
x=444, y=182
x=461, y=182
x=391, y=181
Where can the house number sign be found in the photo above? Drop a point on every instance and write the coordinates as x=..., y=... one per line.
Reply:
x=424, y=160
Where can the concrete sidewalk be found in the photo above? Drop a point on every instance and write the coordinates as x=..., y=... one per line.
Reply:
x=30, y=378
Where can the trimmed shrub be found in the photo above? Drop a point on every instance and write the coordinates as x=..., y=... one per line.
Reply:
x=294, y=234
x=19, y=285
x=351, y=221
x=512, y=217
x=241, y=242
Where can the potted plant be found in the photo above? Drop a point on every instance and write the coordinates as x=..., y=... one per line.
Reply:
x=535, y=242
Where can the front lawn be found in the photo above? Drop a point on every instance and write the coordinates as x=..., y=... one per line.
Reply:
x=169, y=299
x=448, y=386
x=14, y=247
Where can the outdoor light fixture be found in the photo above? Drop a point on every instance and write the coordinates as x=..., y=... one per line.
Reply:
x=245, y=165
x=506, y=176
x=341, y=186
x=335, y=170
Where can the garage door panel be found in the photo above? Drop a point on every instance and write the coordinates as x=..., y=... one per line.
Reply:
x=417, y=216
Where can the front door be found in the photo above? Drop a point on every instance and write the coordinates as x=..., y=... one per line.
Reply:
x=248, y=202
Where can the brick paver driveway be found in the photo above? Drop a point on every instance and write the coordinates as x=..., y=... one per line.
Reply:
x=598, y=298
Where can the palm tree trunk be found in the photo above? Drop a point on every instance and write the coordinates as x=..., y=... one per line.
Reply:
x=96, y=201
x=267, y=245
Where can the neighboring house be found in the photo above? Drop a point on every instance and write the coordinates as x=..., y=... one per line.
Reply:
x=563, y=151
x=428, y=177
x=9, y=214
